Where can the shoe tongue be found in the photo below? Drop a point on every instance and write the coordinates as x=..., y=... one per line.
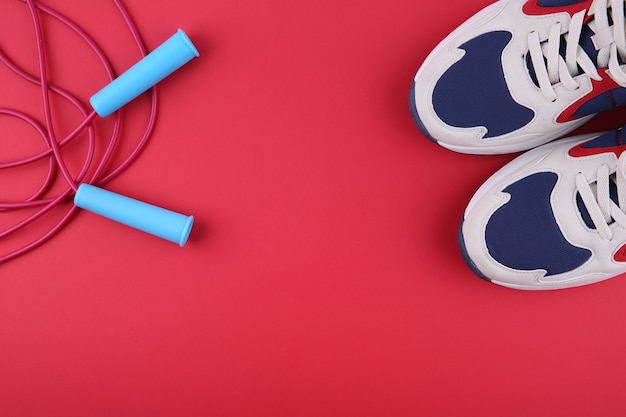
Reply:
x=585, y=42
x=612, y=138
x=584, y=213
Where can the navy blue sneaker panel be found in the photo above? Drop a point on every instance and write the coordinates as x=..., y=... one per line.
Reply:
x=603, y=102
x=524, y=235
x=473, y=92
x=606, y=140
x=619, y=95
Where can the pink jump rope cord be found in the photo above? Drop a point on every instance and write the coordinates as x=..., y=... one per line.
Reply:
x=54, y=146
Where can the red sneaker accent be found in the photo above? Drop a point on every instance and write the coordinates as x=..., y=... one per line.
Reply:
x=620, y=255
x=579, y=151
x=532, y=8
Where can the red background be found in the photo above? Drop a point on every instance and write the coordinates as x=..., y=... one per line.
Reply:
x=322, y=276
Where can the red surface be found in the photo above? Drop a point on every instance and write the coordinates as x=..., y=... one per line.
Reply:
x=322, y=277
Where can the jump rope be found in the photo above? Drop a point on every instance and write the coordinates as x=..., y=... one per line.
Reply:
x=85, y=188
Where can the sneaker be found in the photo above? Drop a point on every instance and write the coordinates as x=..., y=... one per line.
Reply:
x=521, y=73
x=552, y=218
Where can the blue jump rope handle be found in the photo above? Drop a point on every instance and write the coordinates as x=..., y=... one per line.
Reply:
x=158, y=64
x=157, y=221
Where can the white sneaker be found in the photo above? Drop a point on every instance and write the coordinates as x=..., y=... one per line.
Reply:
x=552, y=218
x=521, y=73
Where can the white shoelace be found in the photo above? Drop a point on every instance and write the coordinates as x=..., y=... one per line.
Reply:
x=609, y=41
x=597, y=198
